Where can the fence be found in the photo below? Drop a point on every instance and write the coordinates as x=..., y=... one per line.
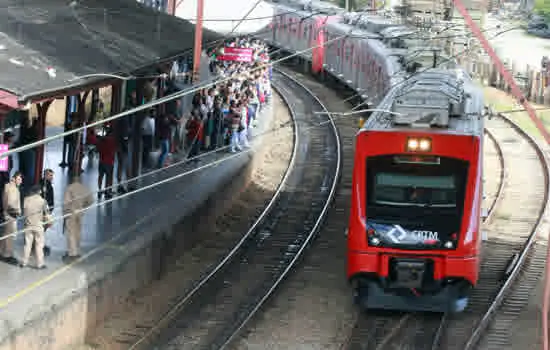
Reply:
x=532, y=81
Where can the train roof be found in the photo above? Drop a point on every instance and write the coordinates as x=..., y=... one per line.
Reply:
x=320, y=7
x=437, y=100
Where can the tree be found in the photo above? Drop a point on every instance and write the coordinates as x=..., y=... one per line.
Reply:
x=542, y=7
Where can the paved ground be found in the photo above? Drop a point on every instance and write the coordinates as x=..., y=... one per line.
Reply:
x=107, y=230
x=146, y=305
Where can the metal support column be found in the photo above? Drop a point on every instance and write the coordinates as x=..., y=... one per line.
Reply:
x=42, y=109
x=171, y=7
x=78, y=147
x=198, y=41
x=137, y=119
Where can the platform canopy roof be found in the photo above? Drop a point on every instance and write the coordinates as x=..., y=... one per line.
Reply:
x=46, y=46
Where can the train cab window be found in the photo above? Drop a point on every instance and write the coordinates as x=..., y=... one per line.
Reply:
x=416, y=195
x=392, y=188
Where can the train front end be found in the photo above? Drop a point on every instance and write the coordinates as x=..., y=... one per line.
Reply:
x=413, y=235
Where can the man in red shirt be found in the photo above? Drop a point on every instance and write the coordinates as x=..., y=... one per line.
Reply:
x=107, y=148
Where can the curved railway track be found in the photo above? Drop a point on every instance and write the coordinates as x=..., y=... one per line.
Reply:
x=509, y=250
x=516, y=196
x=216, y=308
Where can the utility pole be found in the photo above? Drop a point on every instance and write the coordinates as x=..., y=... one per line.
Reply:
x=516, y=92
x=346, y=6
x=171, y=7
x=198, y=42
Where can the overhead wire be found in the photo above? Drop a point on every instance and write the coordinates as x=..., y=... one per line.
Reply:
x=334, y=116
x=188, y=159
x=184, y=161
x=174, y=177
x=120, y=74
x=156, y=171
x=156, y=102
x=200, y=88
x=413, y=75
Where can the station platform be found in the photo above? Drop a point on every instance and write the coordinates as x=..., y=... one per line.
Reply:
x=121, y=246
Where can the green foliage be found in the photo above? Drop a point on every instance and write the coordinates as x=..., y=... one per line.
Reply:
x=542, y=7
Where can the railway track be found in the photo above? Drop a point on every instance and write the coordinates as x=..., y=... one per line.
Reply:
x=216, y=308
x=509, y=250
x=516, y=198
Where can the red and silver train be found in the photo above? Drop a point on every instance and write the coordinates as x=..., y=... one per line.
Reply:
x=414, y=228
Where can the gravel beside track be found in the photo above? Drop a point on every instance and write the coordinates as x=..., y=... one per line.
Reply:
x=145, y=306
x=314, y=310
x=208, y=316
x=516, y=216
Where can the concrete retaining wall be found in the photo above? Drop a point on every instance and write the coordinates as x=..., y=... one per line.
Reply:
x=86, y=296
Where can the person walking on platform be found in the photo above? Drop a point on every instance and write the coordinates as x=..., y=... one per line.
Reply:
x=107, y=148
x=77, y=197
x=37, y=213
x=46, y=191
x=11, y=203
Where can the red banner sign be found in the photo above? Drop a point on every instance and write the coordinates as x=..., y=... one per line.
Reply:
x=238, y=54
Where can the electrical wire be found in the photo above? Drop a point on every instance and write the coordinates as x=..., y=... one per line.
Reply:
x=153, y=172
x=335, y=117
x=159, y=101
x=206, y=46
x=179, y=163
x=176, y=176
x=456, y=55
x=116, y=11
x=185, y=159
x=187, y=92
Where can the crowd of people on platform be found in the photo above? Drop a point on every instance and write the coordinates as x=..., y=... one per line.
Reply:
x=220, y=117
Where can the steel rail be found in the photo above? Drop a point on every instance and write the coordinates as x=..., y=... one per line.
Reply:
x=216, y=271
x=527, y=248
x=182, y=301
x=313, y=232
x=502, y=178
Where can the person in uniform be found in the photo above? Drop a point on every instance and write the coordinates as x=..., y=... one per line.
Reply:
x=11, y=203
x=46, y=191
x=36, y=212
x=76, y=197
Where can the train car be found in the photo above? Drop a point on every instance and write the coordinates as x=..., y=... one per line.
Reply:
x=413, y=234
x=298, y=30
x=361, y=60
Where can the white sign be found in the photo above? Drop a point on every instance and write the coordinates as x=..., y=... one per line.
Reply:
x=397, y=234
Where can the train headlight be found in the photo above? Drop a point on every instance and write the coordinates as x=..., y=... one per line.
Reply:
x=419, y=144
x=424, y=145
x=449, y=245
x=374, y=241
x=412, y=145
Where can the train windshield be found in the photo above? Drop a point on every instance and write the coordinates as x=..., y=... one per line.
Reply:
x=422, y=200
x=392, y=188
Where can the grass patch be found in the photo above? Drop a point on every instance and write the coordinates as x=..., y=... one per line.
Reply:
x=504, y=102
